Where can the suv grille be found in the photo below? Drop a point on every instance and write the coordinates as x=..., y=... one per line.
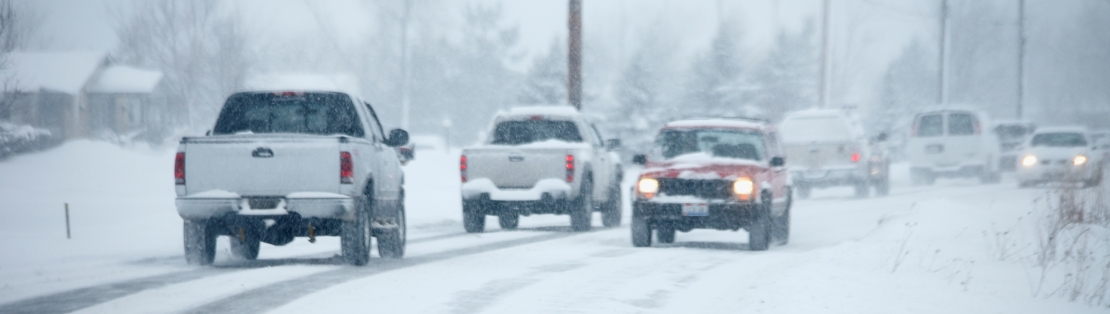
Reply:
x=707, y=189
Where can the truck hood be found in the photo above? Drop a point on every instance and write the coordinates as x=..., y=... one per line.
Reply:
x=703, y=170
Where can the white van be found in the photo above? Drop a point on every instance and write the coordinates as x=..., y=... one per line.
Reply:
x=952, y=143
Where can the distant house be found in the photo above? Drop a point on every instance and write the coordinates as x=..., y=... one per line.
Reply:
x=75, y=95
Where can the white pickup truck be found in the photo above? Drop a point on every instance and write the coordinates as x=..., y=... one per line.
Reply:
x=541, y=160
x=280, y=165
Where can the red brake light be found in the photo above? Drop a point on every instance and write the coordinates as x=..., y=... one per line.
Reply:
x=462, y=168
x=570, y=168
x=855, y=157
x=179, y=169
x=346, y=168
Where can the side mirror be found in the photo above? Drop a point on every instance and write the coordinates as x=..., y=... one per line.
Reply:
x=397, y=137
x=639, y=159
x=777, y=161
x=612, y=144
x=208, y=133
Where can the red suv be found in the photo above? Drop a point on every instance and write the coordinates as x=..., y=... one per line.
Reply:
x=723, y=174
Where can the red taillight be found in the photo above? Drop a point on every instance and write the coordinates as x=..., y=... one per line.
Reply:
x=570, y=168
x=462, y=168
x=855, y=157
x=179, y=169
x=346, y=168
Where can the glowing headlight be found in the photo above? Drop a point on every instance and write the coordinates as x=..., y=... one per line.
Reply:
x=648, y=186
x=1079, y=160
x=1029, y=161
x=743, y=186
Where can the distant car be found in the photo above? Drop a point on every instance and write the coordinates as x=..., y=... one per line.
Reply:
x=713, y=174
x=952, y=143
x=829, y=148
x=1063, y=154
x=1011, y=135
x=541, y=160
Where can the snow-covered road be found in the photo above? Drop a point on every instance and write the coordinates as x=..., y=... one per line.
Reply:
x=921, y=249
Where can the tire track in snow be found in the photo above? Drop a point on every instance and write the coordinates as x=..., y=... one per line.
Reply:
x=76, y=299
x=275, y=295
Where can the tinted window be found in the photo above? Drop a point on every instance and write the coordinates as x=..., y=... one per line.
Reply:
x=310, y=113
x=717, y=143
x=930, y=125
x=1059, y=140
x=961, y=124
x=531, y=131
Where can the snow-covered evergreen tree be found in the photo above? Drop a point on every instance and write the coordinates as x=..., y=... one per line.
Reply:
x=715, y=86
x=788, y=78
x=910, y=83
x=546, y=81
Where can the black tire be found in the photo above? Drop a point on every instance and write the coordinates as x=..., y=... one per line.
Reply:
x=354, y=238
x=246, y=249
x=665, y=234
x=781, y=227
x=641, y=232
x=508, y=221
x=611, y=211
x=391, y=242
x=882, y=187
x=804, y=192
x=200, y=242
x=863, y=190
x=582, y=213
x=759, y=232
x=474, y=221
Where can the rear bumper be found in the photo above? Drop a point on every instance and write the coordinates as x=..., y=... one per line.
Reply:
x=829, y=177
x=722, y=216
x=316, y=207
x=483, y=188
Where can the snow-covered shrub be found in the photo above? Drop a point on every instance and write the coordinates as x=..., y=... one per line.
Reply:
x=1074, y=246
x=17, y=139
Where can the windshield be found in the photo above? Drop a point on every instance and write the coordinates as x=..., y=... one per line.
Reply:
x=1059, y=140
x=531, y=131
x=735, y=144
x=815, y=129
x=308, y=113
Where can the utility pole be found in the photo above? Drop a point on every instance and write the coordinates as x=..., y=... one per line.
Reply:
x=942, y=70
x=574, y=54
x=1021, y=60
x=406, y=15
x=823, y=97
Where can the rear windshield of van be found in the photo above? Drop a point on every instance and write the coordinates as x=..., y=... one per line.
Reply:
x=961, y=124
x=930, y=125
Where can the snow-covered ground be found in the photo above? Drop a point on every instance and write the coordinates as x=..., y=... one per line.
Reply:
x=957, y=247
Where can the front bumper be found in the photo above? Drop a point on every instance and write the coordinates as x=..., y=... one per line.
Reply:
x=339, y=206
x=1056, y=173
x=731, y=215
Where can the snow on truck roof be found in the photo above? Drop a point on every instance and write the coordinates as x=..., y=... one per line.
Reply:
x=1062, y=129
x=542, y=111
x=709, y=123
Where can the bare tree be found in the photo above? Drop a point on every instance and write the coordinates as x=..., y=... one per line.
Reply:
x=198, y=45
x=17, y=26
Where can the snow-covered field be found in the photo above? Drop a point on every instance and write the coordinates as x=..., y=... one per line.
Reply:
x=957, y=247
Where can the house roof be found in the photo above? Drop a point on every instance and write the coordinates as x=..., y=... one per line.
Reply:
x=125, y=79
x=65, y=72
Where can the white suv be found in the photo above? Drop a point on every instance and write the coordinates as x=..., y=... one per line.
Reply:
x=952, y=143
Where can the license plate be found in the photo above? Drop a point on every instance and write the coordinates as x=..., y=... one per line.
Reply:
x=695, y=209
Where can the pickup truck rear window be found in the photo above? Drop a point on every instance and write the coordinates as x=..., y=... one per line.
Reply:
x=305, y=113
x=531, y=131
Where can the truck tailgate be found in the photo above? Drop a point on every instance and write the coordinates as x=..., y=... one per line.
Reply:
x=821, y=156
x=516, y=168
x=262, y=166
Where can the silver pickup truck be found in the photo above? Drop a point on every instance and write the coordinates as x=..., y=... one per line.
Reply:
x=541, y=160
x=280, y=165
